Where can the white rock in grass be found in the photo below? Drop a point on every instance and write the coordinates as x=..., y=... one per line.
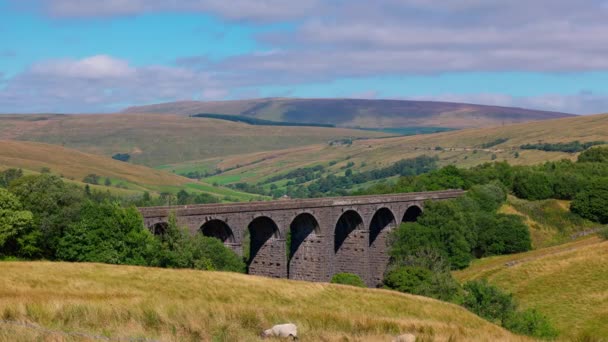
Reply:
x=282, y=330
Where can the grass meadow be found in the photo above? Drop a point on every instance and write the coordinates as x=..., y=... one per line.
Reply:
x=568, y=283
x=123, y=302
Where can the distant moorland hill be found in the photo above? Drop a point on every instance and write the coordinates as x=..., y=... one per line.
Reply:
x=123, y=178
x=161, y=139
x=463, y=148
x=358, y=112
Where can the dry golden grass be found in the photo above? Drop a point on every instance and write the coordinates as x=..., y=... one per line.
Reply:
x=568, y=283
x=155, y=140
x=75, y=164
x=181, y=305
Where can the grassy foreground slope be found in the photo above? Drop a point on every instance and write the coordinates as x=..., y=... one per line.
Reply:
x=358, y=112
x=178, y=305
x=568, y=283
x=160, y=139
x=462, y=148
x=75, y=165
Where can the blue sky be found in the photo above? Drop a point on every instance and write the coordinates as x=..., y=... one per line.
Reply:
x=100, y=56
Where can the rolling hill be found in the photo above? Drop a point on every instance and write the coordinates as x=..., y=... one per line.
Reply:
x=568, y=283
x=463, y=148
x=40, y=300
x=74, y=165
x=359, y=113
x=161, y=139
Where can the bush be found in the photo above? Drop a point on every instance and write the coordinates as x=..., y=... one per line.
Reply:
x=604, y=233
x=91, y=179
x=532, y=323
x=426, y=273
x=488, y=301
x=180, y=250
x=347, y=279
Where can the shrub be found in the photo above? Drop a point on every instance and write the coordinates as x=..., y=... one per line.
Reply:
x=604, y=233
x=91, y=179
x=347, y=279
x=180, y=250
x=488, y=301
x=426, y=273
x=532, y=323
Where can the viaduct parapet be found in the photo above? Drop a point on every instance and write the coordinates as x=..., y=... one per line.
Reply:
x=305, y=239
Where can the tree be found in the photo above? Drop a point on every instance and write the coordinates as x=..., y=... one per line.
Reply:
x=54, y=204
x=108, y=182
x=592, y=203
x=108, y=233
x=501, y=234
x=7, y=176
x=532, y=185
x=594, y=155
x=13, y=219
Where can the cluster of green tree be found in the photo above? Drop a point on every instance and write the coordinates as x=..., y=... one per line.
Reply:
x=494, y=142
x=302, y=175
x=333, y=185
x=257, y=122
x=184, y=197
x=410, y=130
x=570, y=147
x=426, y=273
x=124, y=157
x=42, y=217
x=464, y=228
x=584, y=181
x=200, y=174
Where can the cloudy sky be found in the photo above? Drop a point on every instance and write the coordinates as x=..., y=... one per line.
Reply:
x=104, y=55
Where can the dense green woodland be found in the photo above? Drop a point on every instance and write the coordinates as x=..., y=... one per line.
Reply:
x=42, y=217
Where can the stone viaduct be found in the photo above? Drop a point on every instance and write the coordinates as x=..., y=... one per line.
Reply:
x=305, y=239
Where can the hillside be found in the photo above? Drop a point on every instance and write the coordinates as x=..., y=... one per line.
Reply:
x=125, y=302
x=568, y=283
x=359, y=113
x=463, y=148
x=75, y=165
x=160, y=139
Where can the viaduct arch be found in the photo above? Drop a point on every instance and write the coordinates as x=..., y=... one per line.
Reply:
x=306, y=239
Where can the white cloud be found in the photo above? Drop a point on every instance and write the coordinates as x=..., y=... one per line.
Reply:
x=95, y=67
